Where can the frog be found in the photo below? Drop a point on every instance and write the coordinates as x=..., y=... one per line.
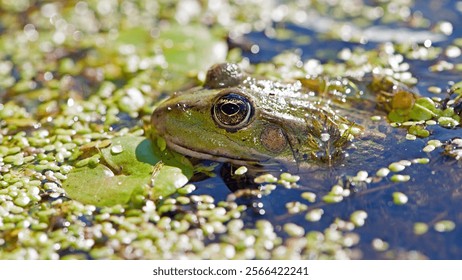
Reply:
x=244, y=120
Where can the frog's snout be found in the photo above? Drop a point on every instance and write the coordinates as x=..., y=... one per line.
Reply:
x=168, y=113
x=158, y=119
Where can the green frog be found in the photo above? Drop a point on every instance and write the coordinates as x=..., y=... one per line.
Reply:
x=243, y=120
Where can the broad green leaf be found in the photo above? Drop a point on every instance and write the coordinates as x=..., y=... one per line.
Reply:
x=166, y=180
x=99, y=186
x=137, y=156
x=128, y=165
x=171, y=158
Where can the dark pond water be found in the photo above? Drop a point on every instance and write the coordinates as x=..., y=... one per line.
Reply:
x=434, y=191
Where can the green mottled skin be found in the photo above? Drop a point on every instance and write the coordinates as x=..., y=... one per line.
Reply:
x=185, y=122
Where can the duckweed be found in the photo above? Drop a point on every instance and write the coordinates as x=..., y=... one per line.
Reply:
x=444, y=226
x=22, y=200
x=421, y=160
x=336, y=190
x=411, y=137
x=399, y=198
x=396, y=167
x=435, y=143
x=448, y=122
x=241, y=170
x=332, y=198
x=418, y=131
x=434, y=89
x=405, y=162
x=383, y=172
x=266, y=178
x=187, y=189
x=344, y=225
x=453, y=148
x=362, y=176
x=287, y=177
x=429, y=148
x=380, y=245
x=314, y=215
x=400, y=178
x=294, y=230
x=358, y=218
x=296, y=207
x=420, y=228
x=310, y=196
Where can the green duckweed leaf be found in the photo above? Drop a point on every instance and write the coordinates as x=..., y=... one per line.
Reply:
x=423, y=109
x=448, y=112
x=406, y=106
x=457, y=88
x=419, y=131
x=398, y=115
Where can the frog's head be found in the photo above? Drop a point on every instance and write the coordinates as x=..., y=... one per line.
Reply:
x=229, y=119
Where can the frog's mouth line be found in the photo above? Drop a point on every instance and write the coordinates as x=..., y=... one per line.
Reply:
x=207, y=156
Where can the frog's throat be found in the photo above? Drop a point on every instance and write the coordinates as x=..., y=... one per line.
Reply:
x=207, y=156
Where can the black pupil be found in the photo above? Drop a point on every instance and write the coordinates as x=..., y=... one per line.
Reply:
x=230, y=108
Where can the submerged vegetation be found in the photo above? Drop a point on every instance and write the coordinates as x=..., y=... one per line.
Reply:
x=79, y=178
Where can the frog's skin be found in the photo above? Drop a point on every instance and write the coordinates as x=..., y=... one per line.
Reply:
x=247, y=121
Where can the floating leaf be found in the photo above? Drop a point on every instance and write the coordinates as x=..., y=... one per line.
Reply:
x=99, y=186
x=448, y=122
x=122, y=174
x=423, y=109
x=419, y=131
x=398, y=116
x=137, y=157
x=171, y=158
x=457, y=88
x=405, y=106
x=166, y=180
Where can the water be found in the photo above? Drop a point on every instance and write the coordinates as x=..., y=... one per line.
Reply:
x=435, y=189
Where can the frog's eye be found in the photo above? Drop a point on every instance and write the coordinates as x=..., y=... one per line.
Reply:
x=232, y=111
